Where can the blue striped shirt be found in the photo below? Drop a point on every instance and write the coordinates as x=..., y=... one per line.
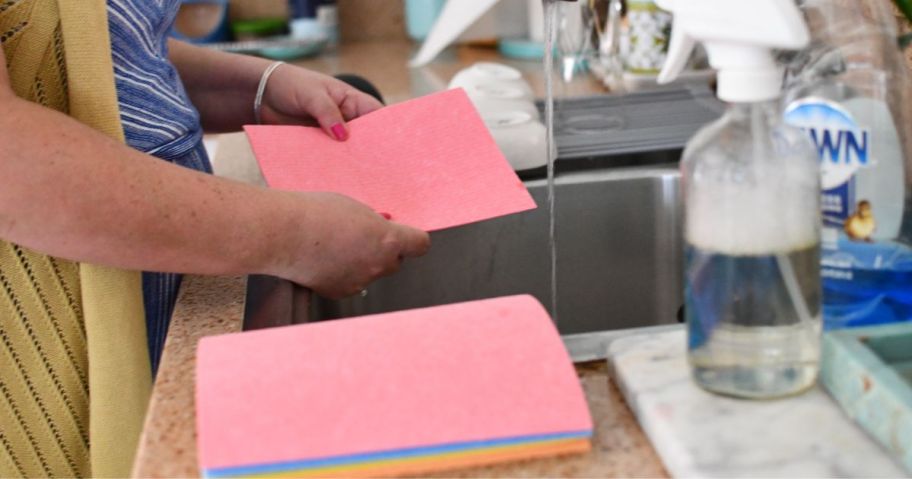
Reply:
x=156, y=114
x=158, y=119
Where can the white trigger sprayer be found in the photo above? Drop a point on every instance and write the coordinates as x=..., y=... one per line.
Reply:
x=739, y=36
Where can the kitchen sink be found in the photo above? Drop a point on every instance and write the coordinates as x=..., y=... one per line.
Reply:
x=619, y=237
x=619, y=257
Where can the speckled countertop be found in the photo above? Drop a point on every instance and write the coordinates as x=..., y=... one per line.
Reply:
x=206, y=306
x=215, y=305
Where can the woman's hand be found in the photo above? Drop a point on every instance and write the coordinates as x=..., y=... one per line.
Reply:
x=340, y=245
x=293, y=95
x=327, y=242
x=296, y=96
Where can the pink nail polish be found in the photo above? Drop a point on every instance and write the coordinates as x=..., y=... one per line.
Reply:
x=339, y=131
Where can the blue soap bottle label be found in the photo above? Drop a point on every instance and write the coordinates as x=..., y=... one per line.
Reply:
x=866, y=266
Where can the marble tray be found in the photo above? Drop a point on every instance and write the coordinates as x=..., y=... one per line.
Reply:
x=698, y=434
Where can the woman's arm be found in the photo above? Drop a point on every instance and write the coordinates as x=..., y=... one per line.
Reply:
x=222, y=86
x=70, y=191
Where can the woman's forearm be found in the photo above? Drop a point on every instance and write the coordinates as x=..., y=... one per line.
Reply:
x=221, y=85
x=71, y=192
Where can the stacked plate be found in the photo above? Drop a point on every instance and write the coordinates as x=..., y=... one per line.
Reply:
x=505, y=102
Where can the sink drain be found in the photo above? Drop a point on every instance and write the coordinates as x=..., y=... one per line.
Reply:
x=592, y=124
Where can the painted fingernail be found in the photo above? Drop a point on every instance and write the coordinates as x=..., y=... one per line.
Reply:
x=339, y=131
x=386, y=215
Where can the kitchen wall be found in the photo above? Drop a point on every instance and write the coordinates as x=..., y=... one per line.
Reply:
x=372, y=20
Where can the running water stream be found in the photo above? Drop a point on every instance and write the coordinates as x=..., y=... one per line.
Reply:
x=551, y=19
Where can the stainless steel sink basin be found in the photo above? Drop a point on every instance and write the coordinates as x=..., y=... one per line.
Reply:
x=618, y=249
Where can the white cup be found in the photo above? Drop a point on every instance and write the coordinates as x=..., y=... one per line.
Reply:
x=486, y=106
x=490, y=74
x=499, y=97
x=502, y=90
x=302, y=28
x=520, y=137
x=485, y=72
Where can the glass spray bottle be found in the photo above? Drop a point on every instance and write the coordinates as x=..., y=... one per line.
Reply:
x=751, y=186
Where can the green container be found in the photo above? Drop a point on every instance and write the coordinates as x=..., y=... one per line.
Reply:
x=258, y=28
x=869, y=372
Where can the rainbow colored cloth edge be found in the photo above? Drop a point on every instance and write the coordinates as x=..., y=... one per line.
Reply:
x=418, y=460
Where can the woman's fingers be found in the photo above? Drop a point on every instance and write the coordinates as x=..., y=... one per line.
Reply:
x=329, y=116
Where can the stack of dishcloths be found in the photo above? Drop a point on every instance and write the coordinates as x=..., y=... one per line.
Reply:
x=391, y=394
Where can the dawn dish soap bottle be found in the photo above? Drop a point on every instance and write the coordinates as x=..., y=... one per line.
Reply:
x=849, y=91
x=751, y=190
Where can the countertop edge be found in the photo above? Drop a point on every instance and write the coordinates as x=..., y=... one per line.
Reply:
x=206, y=305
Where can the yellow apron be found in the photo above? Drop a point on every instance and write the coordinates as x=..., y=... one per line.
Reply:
x=74, y=368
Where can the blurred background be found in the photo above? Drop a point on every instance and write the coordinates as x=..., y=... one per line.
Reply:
x=607, y=54
x=600, y=44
